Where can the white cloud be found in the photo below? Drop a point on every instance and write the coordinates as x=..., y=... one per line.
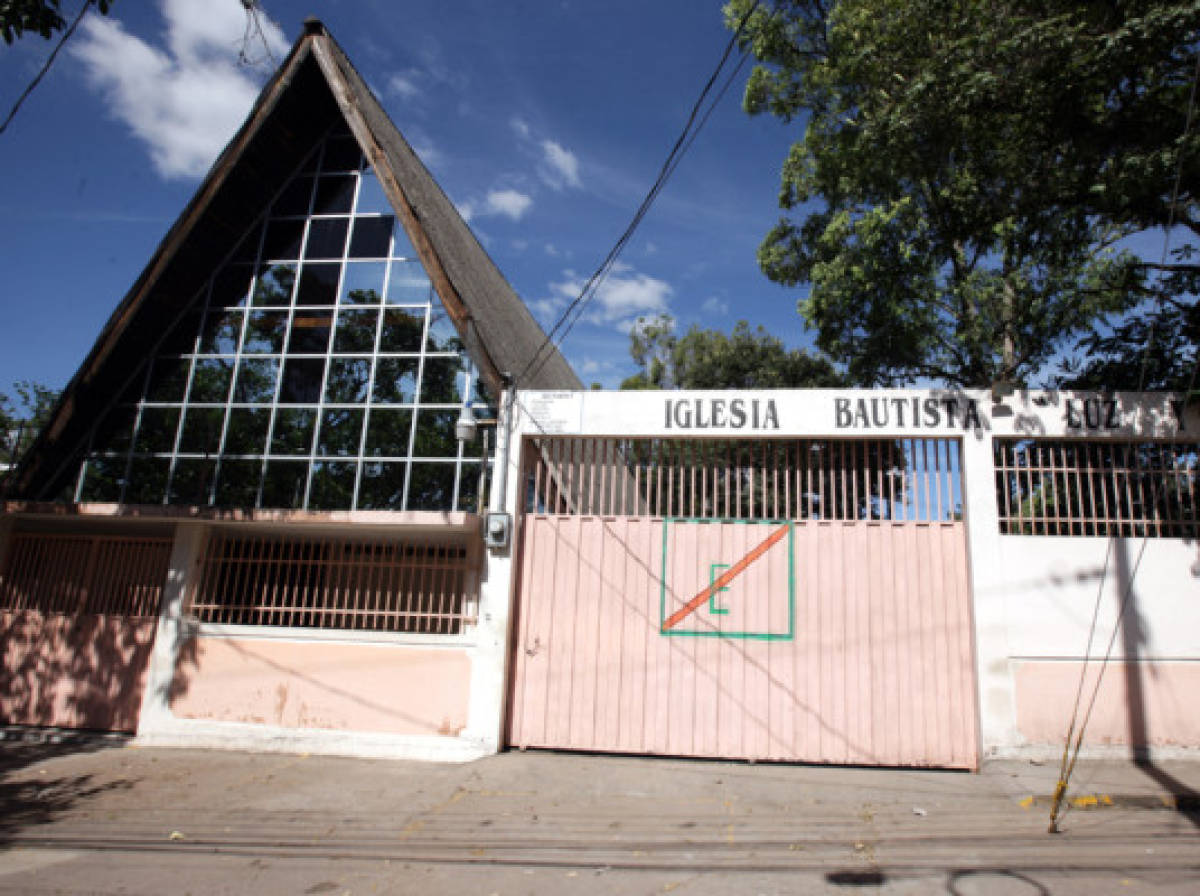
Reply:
x=713, y=305
x=521, y=128
x=552, y=250
x=183, y=102
x=510, y=203
x=403, y=86
x=623, y=297
x=560, y=167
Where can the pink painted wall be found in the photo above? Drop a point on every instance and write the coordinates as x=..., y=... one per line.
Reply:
x=73, y=671
x=877, y=669
x=345, y=687
x=1141, y=704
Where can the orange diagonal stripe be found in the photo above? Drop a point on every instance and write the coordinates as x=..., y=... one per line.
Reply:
x=726, y=577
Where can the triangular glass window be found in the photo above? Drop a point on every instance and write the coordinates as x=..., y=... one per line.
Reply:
x=316, y=369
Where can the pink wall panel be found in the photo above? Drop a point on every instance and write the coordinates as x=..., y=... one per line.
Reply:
x=838, y=642
x=1139, y=704
x=346, y=687
x=71, y=671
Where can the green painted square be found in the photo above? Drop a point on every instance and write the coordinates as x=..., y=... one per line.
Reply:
x=680, y=630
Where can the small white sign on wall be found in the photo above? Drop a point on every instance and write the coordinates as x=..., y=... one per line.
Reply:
x=555, y=413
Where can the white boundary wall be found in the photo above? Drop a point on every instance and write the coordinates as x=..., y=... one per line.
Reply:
x=1033, y=596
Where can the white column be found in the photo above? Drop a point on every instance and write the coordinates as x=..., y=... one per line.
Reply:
x=997, y=706
x=489, y=656
x=186, y=556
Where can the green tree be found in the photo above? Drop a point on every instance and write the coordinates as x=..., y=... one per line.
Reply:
x=43, y=17
x=23, y=417
x=709, y=359
x=968, y=171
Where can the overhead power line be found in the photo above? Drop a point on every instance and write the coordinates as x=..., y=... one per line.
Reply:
x=87, y=4
x=692, y=127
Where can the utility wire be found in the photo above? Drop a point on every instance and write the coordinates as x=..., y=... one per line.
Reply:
x=1069, y=758
x=687, y=136
x=87, y=4
x=254, y=29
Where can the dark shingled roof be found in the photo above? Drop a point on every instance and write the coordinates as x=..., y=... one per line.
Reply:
x=315, y=87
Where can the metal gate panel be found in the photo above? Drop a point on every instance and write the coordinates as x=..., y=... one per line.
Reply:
x=78, y=615
x=852, y=645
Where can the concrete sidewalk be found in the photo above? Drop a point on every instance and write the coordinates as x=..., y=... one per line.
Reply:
x=97, y=817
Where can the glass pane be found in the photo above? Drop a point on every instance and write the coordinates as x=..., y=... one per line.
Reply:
x=318, y=284
x=341, y=154
x=222, y=329
x=341, y=431
x=355, y=331
x=402, y=247
x=283, y=484
x=116, y=431
x=408, y=284
x=147, y=480
x=310, y=332
x=156, y=432
x=431, y=487
x=468, y=488
x=168, y=379
x=363, y=283
x=102, y=479
x=210, y=381
x=371, y=237
x=335, y=195
x=247, y=431
x=181, y=340
x=382, y=487
x=237, y=482
x=332, y=486
x=294, y=198
x=256, y=381
x=191, y=481
x=387, y=432
x=302, y=380
x=371, y=198
x=442, y=381
x=435, y=434
x=231, y=286
x=395, y=381
x=283, y=239
x=443, y=337
x=201, y=430
x=347, y=383
x=293, y=431
x=247, y=250
x=264, y=332
x=274, y=285
x=402, y=330
x=326, y=238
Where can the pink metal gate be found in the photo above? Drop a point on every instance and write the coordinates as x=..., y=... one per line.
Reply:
x=806, y=602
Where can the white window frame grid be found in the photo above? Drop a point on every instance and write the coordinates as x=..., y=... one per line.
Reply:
x=203, y=308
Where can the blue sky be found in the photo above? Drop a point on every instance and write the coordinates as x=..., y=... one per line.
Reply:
x=545, y=122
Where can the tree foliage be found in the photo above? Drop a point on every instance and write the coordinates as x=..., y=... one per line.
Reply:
x=709, y=359
x=43, y=17
x=22, y=417
x=968, y=171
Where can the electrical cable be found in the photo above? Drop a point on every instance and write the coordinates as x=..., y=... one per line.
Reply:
x=87, y=4
x=686, y=137
x=1069, y=759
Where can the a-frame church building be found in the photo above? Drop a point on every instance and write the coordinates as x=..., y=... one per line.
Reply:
x=250, y=519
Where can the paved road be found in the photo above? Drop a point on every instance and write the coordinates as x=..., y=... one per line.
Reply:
x=105, y=819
